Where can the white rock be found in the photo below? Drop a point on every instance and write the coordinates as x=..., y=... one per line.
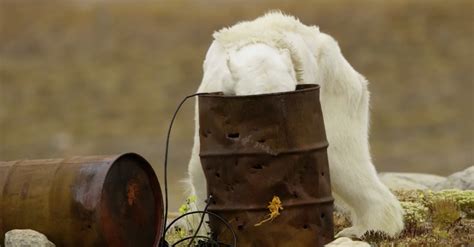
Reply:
x=347, y=242
x=26, y=238
x=463, y=180
x=410, y=181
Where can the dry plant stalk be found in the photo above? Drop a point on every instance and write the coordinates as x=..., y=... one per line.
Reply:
x=274, y=206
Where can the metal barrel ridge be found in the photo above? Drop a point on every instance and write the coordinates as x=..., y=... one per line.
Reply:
x=83, y=201
x=259, y=146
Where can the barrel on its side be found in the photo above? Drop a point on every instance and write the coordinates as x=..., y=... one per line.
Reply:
x=260, y=146
x=83, y=201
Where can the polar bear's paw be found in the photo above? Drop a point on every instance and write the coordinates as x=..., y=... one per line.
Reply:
x=385, y=218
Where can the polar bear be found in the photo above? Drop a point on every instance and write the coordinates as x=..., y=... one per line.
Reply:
x=274, y=53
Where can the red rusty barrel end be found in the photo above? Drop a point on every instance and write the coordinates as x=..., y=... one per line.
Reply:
x=131, y=210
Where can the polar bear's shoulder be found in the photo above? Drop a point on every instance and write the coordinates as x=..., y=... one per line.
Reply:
x=268, y=28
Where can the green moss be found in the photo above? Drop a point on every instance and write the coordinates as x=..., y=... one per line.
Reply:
x=464, y=199
x=416, y=214
x=434, y=218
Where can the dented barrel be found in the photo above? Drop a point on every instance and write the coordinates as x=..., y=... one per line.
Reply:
x=260, y=146
x=83, y=201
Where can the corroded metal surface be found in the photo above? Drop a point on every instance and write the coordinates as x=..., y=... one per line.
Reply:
x=255, y=147
x=83, y=201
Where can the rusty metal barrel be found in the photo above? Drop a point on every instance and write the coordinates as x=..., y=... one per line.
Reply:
x=83, y=201
x=259, y=146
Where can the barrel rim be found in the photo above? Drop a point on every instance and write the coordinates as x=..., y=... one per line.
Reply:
x=307, y=87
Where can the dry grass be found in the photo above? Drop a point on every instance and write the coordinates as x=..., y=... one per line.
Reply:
x=97, y=77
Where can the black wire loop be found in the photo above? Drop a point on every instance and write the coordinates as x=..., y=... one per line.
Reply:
x=163, y=242
x=234, y=235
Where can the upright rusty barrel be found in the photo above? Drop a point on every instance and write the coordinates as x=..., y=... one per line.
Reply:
x=83, y=201
x=260, y=146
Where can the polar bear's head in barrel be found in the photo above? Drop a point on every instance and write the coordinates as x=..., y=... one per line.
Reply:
x=259, y=68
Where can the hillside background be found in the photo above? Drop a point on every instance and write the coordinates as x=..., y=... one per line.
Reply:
x=104, y=77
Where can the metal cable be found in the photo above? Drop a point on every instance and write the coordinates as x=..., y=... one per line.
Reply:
x=204, y=212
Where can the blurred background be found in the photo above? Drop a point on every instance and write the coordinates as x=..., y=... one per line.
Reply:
x=103, y=77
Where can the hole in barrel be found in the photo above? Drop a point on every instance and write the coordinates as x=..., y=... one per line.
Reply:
x=261, y=141
x=322, y=215
x=295, y=195
x=322, y=174
x=257, y=167
x=230, y=188
x=218, y=175
x=207, y=133
x=240, y=227
x=305, y=226
x=233, y=135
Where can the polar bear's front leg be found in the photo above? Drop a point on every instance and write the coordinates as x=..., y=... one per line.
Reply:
x=345, y=104
x=354, y=180
x=373, y=207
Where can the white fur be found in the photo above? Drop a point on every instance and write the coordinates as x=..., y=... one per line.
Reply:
x=274, y=53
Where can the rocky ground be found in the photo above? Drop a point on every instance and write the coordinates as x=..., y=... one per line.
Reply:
x=439, y=211
x=432, y=218
x=463, y=180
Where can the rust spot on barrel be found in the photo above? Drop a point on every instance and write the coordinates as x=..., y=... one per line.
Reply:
x=132, y=192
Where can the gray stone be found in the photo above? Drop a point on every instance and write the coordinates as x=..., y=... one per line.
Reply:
x=463, y=180
x=26, y=238
x=410, y=181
